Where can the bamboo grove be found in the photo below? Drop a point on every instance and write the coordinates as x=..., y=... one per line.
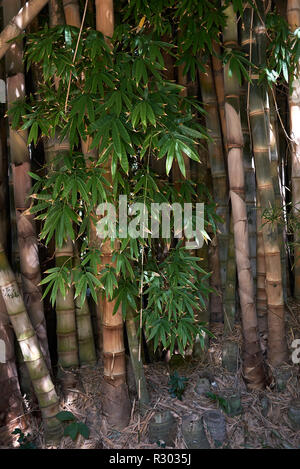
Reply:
x=163, y=102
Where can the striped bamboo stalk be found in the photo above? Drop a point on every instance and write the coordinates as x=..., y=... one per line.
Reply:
x=277, y=351
x=33, y=357
x=293, y=16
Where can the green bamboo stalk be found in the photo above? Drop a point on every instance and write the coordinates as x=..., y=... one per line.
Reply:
x=65, y=307
x=137, y=364
x=277, y=191
x=277, y=351
x=86, y=344
x=33, y=357
x=229, y=297
x=250, y=184
x=217, y=165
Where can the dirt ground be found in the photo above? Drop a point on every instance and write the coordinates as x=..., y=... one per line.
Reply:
x=263, y=423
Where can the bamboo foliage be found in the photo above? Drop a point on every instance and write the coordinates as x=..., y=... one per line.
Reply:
x=276, y=328
x=65, y=307
x=293, y=16
x=86, y=346
x=33, y=357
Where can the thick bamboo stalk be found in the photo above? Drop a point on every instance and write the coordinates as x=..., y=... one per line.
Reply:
x=230, y=93
x=217, y=165
x=293, y=16
x=11, y=408
x=33, y=357
x=278, y=191
x=277, y=351
x=72, y=13
x=253, y=360
x=65, y=307
x=116, y=404
x=19, y=155
x=19, y=22
x=250, y=183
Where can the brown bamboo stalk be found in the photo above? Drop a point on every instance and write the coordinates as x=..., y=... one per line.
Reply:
x=19, y=22
x=19, y=155
x=116, y=405
x=72, y=13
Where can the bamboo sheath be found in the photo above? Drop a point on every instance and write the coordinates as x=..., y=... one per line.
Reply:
x=277, y=352
x=293, y=16
x=29, y=344
x=253, y=360
x=19, y=22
